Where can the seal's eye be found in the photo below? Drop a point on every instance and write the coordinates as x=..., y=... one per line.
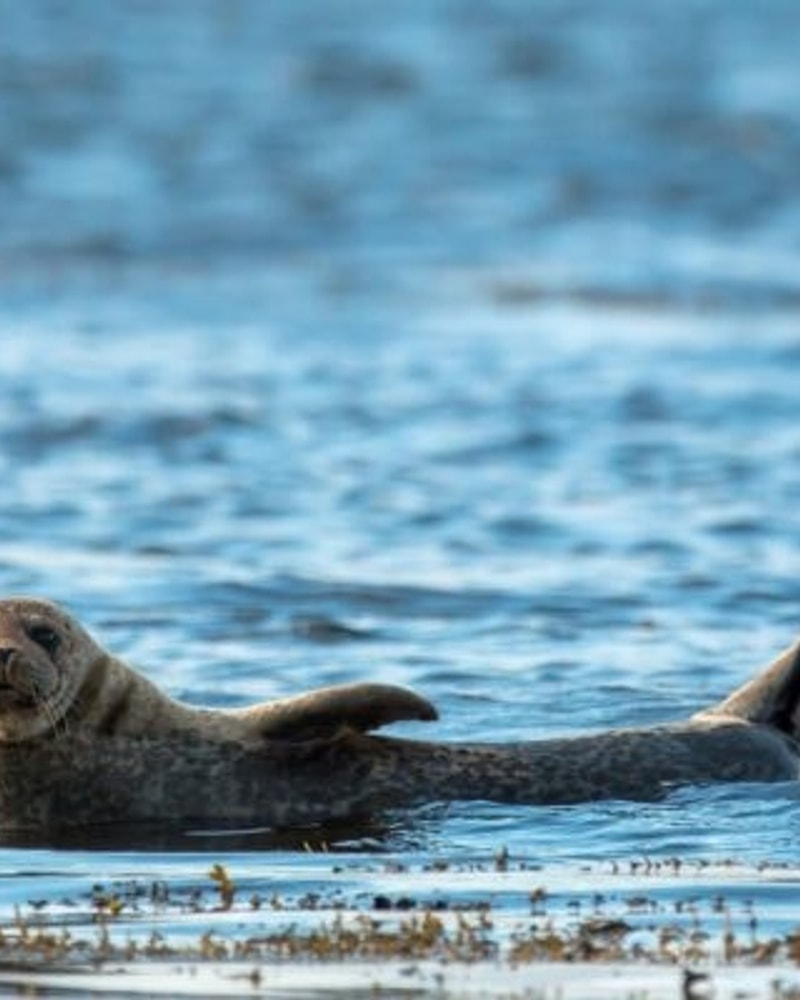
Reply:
x=45, y=637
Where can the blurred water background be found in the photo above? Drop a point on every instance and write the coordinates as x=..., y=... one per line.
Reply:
x=447, y=344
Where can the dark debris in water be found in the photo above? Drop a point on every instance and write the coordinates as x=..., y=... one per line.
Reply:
x=128, y=922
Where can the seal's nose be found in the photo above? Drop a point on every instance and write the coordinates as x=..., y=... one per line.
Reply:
x=7, y=654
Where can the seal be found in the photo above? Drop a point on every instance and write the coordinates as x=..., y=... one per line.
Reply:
x=55, y=679
x=86, y=740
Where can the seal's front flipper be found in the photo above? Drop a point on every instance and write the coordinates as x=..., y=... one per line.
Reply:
x=328, y=711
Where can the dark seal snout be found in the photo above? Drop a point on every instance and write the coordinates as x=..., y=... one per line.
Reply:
x=10, y=658
x=18, y=673
x=7, y=655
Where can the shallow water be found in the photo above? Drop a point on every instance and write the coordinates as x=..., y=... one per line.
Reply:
x=448, y=347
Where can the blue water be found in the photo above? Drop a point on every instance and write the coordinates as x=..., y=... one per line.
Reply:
x=444, y=345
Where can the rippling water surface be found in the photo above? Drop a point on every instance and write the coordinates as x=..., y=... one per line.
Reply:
x=449, y=346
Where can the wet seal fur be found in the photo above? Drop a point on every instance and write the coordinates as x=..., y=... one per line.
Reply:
x=86, y=740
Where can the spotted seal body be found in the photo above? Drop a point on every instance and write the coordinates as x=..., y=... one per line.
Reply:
x=85, y=740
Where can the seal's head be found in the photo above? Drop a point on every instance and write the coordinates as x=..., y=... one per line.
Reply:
x=45, y=657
